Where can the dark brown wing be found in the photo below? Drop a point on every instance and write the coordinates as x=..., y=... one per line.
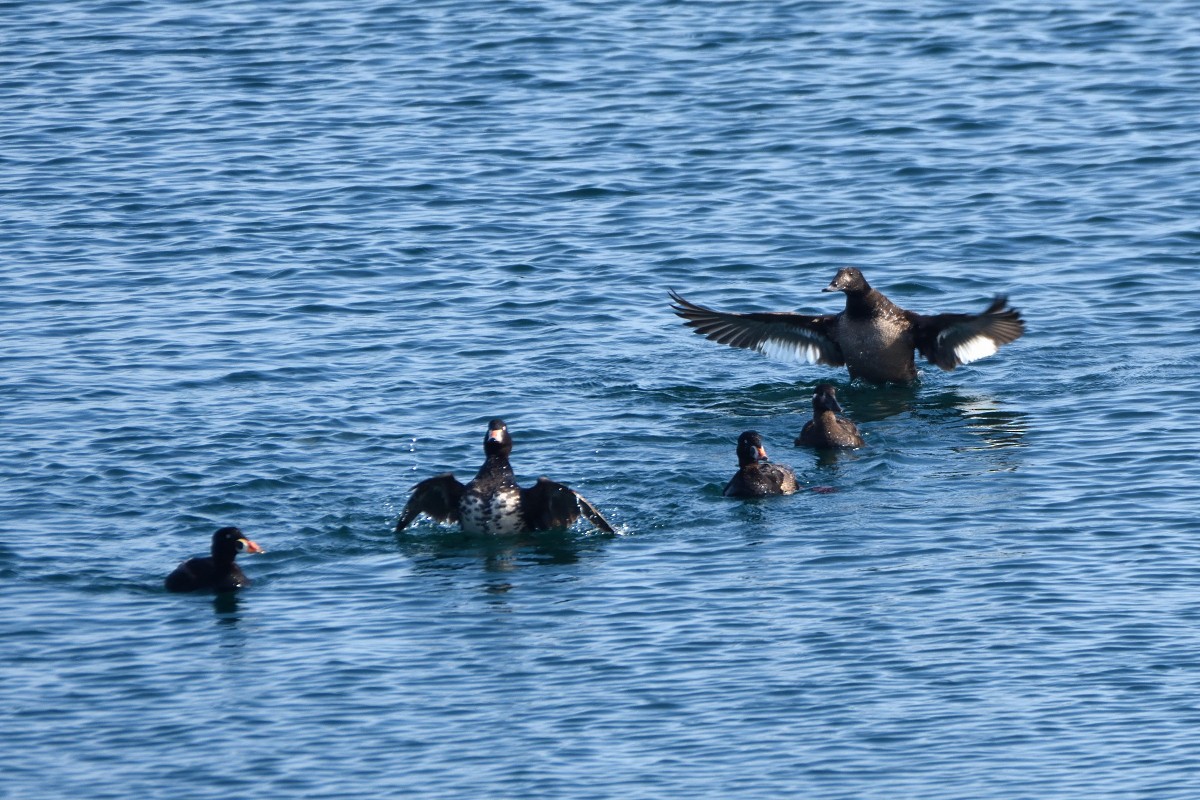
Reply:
x=548, y=505
x=795, y=337
x=951, y=340
x=783, y=477
x=437, y=496
x=195, y=573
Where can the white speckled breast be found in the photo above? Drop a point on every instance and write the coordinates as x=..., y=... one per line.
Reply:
x=497, y=513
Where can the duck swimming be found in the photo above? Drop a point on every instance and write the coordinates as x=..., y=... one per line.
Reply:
x=493, y=503
x=873, y=337
x=826, y=428
x=756, y=477
x=218, y=571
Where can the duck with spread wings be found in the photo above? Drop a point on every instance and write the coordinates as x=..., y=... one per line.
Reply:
x=493, y=503
x=873, y=337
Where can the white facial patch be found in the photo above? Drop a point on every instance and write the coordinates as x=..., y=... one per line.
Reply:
x=790, y=350
x=974, y=349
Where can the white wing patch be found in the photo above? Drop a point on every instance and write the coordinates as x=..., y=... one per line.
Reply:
x=790, y=350
x=975, y=348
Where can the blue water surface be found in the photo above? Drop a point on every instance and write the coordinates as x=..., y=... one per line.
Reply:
x=269, y=264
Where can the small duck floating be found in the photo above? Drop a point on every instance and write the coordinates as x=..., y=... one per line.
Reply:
x=873, y=337
x=756, y=477
x=217, y=572
x=826, y=428
x=493, y=503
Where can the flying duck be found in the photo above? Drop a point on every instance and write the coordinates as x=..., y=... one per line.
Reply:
x=756, y=477
x=873, y=337
x=218, y=571
x=493, y=503
x=826, y=428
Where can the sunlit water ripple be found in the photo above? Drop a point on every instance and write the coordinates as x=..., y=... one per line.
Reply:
x=269, y=264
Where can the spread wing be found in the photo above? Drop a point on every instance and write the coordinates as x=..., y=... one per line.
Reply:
x=795, y=337
x=437, y=496
x=951, y=340
x=548, y=505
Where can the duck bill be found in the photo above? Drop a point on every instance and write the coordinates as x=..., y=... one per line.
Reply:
x=762, y=454
x=496, y=435
x=250, y=547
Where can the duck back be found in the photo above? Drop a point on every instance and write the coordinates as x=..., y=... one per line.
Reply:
x=829, y=431
x=203, y=573
x=761, y=480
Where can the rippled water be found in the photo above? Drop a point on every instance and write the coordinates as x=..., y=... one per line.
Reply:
x=269, y=264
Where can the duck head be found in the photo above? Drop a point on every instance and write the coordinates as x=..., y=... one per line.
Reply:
x=825, y=399
x=497, y=442
x=228, y=542
x=848, y=280
x=750, y=449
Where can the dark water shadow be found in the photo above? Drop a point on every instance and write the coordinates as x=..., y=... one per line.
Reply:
x=826, y=459
x=977, y=412
x=753, y=510
x=225, y=608
x=865, y=403
x=451, y=549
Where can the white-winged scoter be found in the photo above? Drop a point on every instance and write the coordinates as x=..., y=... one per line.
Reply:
x=873, y=337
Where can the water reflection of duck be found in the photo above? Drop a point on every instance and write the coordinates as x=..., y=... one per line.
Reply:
x=451, y=550
x=976, y=414
x=873, y=337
